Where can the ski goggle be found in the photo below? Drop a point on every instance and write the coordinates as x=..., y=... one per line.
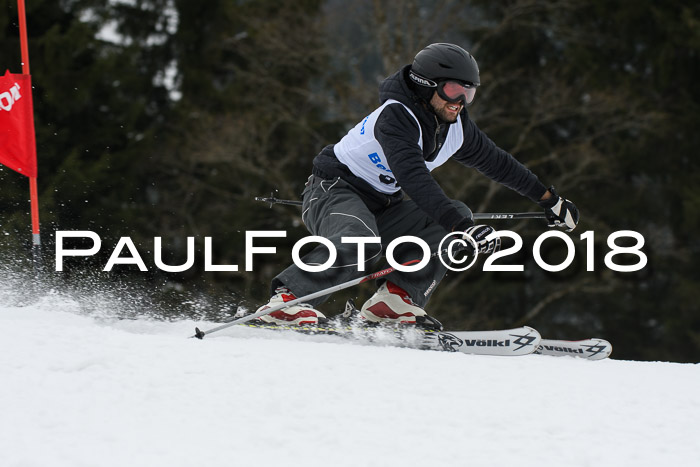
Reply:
x=454, y=91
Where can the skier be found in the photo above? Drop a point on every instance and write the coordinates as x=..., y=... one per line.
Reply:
x=357, y=189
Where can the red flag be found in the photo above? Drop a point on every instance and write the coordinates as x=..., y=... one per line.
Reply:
x=17, y=143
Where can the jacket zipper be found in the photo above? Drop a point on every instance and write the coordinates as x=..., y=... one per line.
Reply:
x=435, y=147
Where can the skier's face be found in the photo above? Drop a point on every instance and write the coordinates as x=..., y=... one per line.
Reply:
x=446, y=111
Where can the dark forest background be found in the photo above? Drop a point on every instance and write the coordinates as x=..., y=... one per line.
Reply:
x=167, y=117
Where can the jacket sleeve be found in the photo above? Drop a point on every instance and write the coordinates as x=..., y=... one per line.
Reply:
x=398, y=132
x=482, y=154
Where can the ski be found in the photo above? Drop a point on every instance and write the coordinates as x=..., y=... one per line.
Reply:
x=591, y=349
x=507, y=342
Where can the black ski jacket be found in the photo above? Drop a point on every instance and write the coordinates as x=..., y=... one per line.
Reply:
x=397, y=132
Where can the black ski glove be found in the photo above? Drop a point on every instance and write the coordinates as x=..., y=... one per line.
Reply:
x=560, y=212
x=478, y=233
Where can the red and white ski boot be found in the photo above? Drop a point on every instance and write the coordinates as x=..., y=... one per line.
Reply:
x=293, y=315
x=392, y=304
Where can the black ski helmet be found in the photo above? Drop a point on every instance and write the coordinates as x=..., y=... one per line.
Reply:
x=444, y=61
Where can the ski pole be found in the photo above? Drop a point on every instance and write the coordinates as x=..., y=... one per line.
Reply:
x=508, y=215
x=477, y=215
x=199, y=334
x=272, y=200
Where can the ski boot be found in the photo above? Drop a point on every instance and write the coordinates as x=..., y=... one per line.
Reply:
x=391, y=304
x=301, y=313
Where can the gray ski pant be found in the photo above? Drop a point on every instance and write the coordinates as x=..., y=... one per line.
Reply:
x=333, y=209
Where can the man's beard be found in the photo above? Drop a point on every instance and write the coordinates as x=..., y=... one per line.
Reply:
x=445, y=115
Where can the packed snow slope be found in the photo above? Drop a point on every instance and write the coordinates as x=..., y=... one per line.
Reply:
x=78, y=389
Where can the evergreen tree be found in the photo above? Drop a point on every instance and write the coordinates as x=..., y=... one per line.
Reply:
x=98, y=103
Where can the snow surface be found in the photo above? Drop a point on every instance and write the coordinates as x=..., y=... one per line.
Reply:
x=86, y=389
